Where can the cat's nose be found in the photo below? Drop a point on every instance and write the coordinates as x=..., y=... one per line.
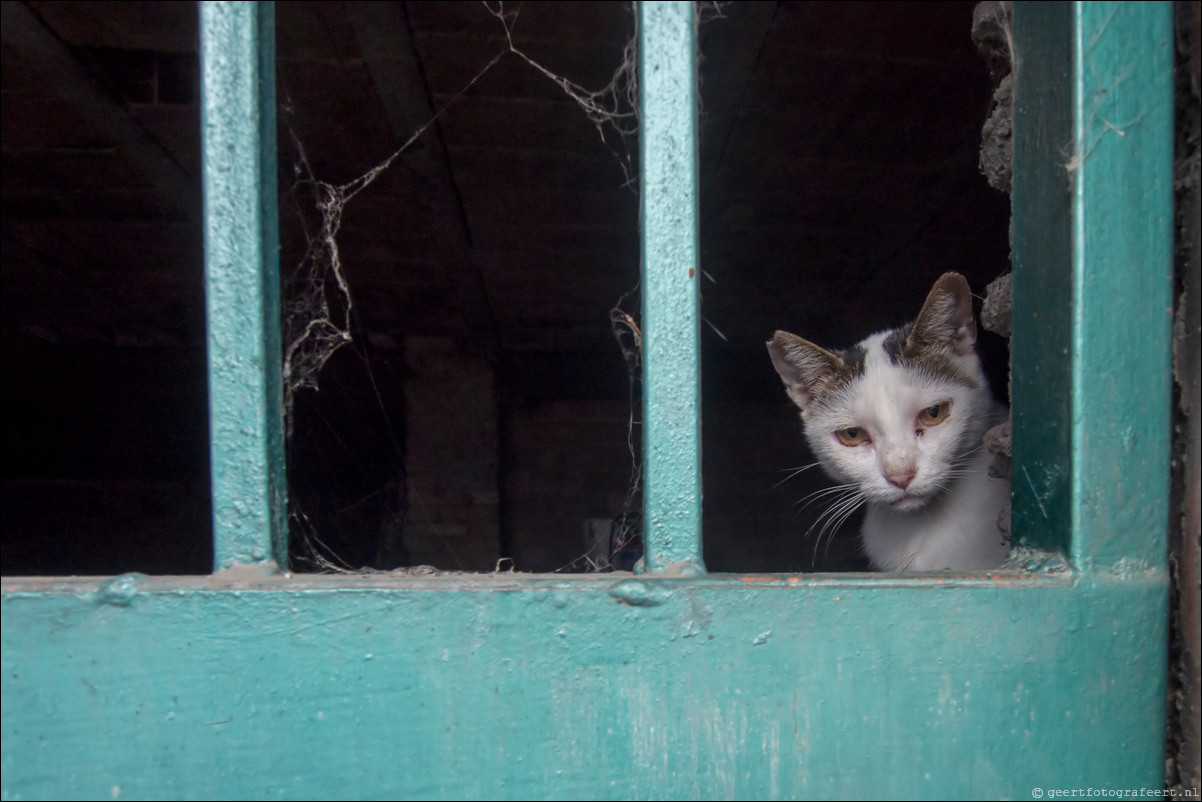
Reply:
x=901, y=479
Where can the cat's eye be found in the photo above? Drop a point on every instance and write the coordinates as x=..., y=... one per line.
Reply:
x=852, y=436
x=934, y=414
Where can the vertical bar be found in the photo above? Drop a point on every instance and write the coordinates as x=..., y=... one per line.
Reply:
x=238, y=134
x=1043, y=123
x=1091, y=348
x=671, y=274
x=1123, y=277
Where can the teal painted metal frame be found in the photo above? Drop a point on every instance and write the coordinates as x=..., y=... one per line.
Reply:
x=657, y=686
x=671, y=299
x=1093, y=280
x=242, y=283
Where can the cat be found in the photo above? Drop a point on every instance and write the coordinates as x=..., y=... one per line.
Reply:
x=900, y=418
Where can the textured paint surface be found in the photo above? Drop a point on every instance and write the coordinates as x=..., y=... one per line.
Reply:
x=1093, y=279
x=1122, y=271
x=242, y=282
x=511, y=687
x=671, y=275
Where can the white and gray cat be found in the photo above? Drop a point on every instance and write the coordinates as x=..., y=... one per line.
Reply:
x=900, y=418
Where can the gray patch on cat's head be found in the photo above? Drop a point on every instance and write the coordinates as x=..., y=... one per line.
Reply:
x=853, y=358
x=812, y=374
x=894, y=343
x=935, y=361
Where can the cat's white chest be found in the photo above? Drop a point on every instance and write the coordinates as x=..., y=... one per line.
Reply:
x=959, y=532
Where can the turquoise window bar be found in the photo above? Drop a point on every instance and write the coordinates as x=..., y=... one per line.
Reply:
x=671, y=299
x=242, y=283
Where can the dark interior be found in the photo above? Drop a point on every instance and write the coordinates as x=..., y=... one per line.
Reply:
x=481, y=414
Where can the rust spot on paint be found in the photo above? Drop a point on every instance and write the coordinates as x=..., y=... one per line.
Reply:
x=692, y=272
x=753, y=580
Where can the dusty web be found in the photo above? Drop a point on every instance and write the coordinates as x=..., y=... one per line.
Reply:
x=318, y=306
x=614, y=106
x=623, y=543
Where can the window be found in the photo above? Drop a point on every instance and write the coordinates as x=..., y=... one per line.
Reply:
x=668, y=684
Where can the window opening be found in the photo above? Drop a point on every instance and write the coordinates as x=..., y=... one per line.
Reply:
x=749, y=526
x=106, y=465
x=421, y=394
x=840, y=178
x=755, y=91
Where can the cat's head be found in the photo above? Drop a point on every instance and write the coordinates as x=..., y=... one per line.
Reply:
x=896, y=414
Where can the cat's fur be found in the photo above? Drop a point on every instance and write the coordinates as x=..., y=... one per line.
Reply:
x=931, y=502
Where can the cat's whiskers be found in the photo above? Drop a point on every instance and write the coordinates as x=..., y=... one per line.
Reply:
x=836, y=523
x=909, y=561
x=956, y=473
x=794, y=472
x=959, y=466
x=968, y=455
x=807, y=500
x=849, y=499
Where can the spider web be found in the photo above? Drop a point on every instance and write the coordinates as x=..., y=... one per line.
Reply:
x=318, y=309
x=318, y=305
x=317, y=316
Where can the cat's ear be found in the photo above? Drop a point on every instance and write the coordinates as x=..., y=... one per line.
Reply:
x=803, y=367
x=946, y=318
